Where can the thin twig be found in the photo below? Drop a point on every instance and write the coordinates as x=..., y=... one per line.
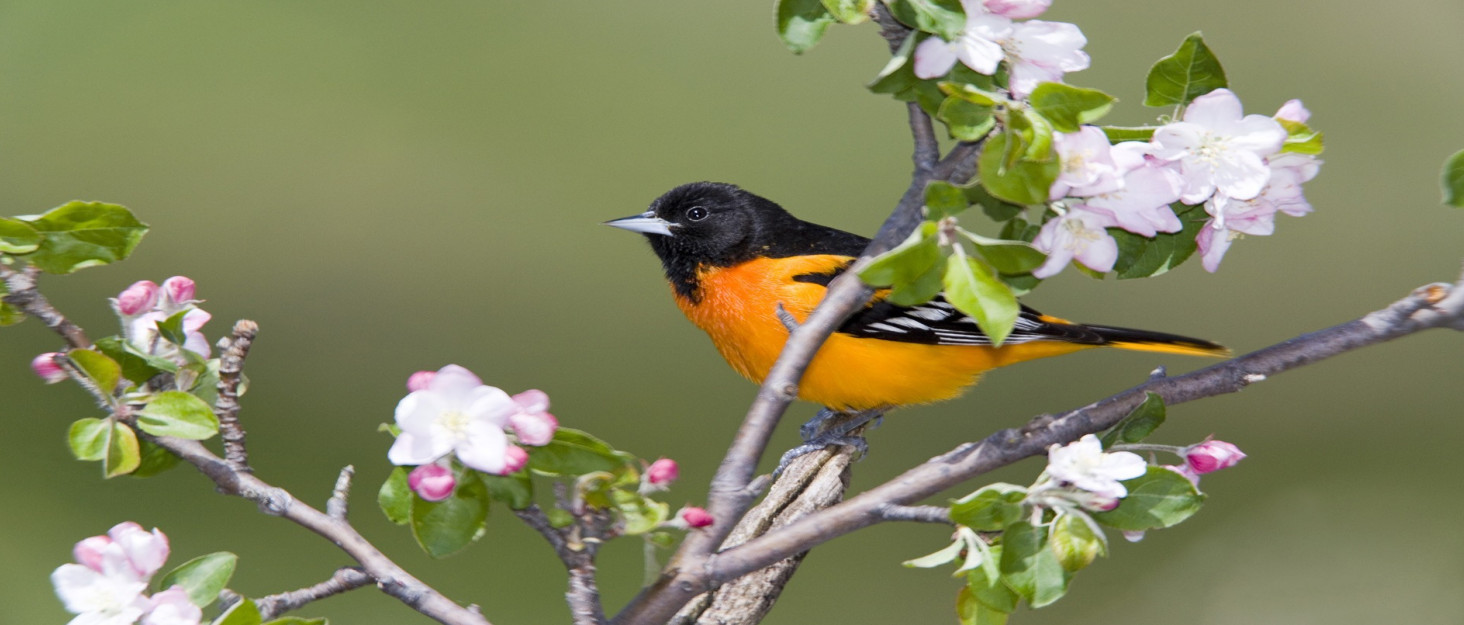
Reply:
x=917, y=514
x=231, y=365
x=24, y=296
x=578, y=556
x=1432, y=306
x=345, y=579
x=339, y=504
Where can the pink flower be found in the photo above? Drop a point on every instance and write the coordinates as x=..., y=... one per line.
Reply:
x=178, y=293
x=1087, y=164
x=1293, y=111
x=1141, y=204
x=1018, y=9
x=1039, y=51
x=1218, y=150
x=419, y=380
x=1077, y=235
x=1211, y=455
x=695, y=517
x=139, y=298
x=45, y=366
x=977, y=46
x=532, y=424
x=515, y=459
x=432, y=482
x=662, y=473
x=172, y=607
x=106, y=586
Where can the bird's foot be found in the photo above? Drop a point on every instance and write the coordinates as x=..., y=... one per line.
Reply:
x=831, y=427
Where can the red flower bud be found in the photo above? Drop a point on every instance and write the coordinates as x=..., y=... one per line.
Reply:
x=662, y=472
x=1212, y=455
x=45, y=366
x=696, y=517
x=139, y=298
x=432, y=482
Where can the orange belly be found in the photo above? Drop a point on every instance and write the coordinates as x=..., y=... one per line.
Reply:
x=738, y=309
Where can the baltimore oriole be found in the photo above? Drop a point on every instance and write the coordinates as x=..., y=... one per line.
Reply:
x=733, y=257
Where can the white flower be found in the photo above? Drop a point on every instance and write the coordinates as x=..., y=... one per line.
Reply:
x=455, y=414
x=1141, y=204
x=1218, y=150
x=977, y=46
x=1083, y=465
x=97, y=598
x=1038, y=51
x=1087, y=164
x=172, y=607
x=1077, y=235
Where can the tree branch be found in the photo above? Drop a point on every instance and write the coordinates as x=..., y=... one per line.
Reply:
x=344, y=580
x=24, y=295
x=578, y=556
x=233, y=350
x=1431, y=306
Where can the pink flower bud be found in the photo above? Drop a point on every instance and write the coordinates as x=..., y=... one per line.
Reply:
x=534, y=428
x=88, y=552
x=45, y=366
x=1210, y=456
x=1017, y=9
x=1293, y=111
x=514, y=459
x=139, y=298
x=146, y=551
x=179, y=290
x=532, y=400
x=662, y=473
x=696, y=517
x=432, y=482
x=172, y=607
x=419, y=380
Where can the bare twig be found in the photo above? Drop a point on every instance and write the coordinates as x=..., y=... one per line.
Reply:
x=917, y=514
x=578, y=555
x=233, y=350
x=1431, y=306
x=339, y=505
x=345, y=579
x=24, y=296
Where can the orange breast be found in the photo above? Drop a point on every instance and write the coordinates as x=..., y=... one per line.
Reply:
x=738, y=309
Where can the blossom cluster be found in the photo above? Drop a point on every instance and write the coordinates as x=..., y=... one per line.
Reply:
x=1035, y=51
x=1231, y=163
x=106, y=584
x=141, y=307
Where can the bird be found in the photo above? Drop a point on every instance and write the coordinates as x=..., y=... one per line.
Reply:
x=734, y=260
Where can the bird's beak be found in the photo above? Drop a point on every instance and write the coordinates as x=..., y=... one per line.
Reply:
x=645, y=223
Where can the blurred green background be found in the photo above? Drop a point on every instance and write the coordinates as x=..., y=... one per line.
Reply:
x=393, y=186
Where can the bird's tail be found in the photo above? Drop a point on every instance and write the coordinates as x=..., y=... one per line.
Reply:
x=1146, y=341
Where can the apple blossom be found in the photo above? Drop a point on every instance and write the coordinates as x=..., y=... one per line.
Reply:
x=141, y=297
x=1218, y=150
x=1141, y=204
x=456, y=414
x=432, y=482
x=1293, y=111
x=1087, y=164
x=1084, y=465
x=532, y=424
x=978, y=46
x=1076, y=235
x=419, y=380
x=662, y=473
x=172, y=607
x=143, y=305
x=1038, y=51
x=695, y=517
x=1211, y=455
x=178, y=293
x=515, y=458
x=1018, y=9
x=105, y=586
x=46, y=368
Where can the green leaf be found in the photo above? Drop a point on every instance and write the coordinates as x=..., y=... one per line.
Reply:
x=445, y=527
x=1140, y=256
x=966, y=121
x=78, y=234
x=920, y=290
x=573, y=452
x=1118, y=134
x=295, y=620
x=18, y=237
x=986, y=586
x=641, y=514
x=123, y=455
x=171, y=329
x=973, y=94
x=97, y=366
x=1454, y=180
x=1192, y=71
x=971, y=611
x=202, y=577
x=973, y=288
x=801, y=23
x=897, y=77
x=516, y=489
x=1016, y=180
x=997, y=210
x=1030, y=567
x=9, y=315
x=989, y=509
x=850, y=11
x=1157, y=499
x=559, y=517
x=242, y=613
x=945, y=554
x=176, y=413
x=1300, y=138
x=1069, y=107
x=395, y=497
x=1074, y=542
x=907, y=261
x=1012, y=259
x=943, y=199
x=941, y=17
x=155, y=459
x=1138, y=424
x=135, y=367
x=88, y=438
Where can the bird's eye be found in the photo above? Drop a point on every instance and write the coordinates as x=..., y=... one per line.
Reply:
x=696, y=213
